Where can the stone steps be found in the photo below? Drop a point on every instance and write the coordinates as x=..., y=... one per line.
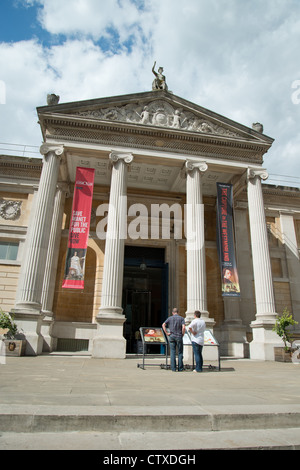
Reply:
x=154, y=442
x=193, y=427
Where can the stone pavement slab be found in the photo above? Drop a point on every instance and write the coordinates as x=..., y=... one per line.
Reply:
x=247, y=404
x=81, y=381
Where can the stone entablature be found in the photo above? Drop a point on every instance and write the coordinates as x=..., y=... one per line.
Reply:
x=16, y=167
x=150, y=120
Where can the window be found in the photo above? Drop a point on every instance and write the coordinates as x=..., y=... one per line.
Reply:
x=8, y=251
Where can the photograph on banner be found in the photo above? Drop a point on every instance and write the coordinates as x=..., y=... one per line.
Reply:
x=153, y=335
x=75, y=264
x=225, y=241
x=230, y=281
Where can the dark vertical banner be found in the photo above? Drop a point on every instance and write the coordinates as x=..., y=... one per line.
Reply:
x=225, y=239
x=79, y=229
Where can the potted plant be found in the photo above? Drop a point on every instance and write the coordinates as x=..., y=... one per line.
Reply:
x=282, y=325
x=9, y=331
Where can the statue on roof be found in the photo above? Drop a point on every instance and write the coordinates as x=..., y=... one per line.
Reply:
x=52, y=99
x=159, y=83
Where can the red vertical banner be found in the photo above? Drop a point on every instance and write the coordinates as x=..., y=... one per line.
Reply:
x=79, y=229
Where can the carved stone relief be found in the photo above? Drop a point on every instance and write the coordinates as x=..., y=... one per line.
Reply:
x=161, y=114
x=10, y=210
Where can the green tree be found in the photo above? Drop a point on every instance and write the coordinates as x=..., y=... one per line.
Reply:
x=281, y=327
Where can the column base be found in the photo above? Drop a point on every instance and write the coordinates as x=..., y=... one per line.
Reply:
x=264, y=340
x=29, y=326
x=46, y=329
x=27, y=308
x=232, y=339
x=209, y=353
x=109, y=342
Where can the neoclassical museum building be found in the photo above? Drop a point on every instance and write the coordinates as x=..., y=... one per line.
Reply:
x=152, y=236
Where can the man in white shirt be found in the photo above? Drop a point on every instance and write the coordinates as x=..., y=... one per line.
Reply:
x=197, y=328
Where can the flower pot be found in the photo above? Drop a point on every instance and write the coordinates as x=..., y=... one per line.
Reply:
x=281, y=355
x=14, y=347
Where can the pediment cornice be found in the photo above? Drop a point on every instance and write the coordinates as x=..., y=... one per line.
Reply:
x=154, y=119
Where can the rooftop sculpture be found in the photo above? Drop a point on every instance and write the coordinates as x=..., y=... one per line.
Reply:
x=159, y=83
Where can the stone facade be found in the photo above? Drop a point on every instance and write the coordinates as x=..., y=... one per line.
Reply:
x=153, y=148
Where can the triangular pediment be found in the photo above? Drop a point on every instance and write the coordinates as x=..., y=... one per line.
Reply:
x=157, y=110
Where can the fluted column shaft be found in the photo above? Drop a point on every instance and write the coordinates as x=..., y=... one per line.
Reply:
x=196, y=265
x=111, y=298
x=53, y=250
x=109, y=341
x=264, y=294
x=264, y=338
x=32, y=272
x=289, y=240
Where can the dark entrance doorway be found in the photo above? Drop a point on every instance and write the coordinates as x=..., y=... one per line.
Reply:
x=145, y=292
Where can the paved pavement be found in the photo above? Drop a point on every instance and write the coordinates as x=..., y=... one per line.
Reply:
x=77, y=402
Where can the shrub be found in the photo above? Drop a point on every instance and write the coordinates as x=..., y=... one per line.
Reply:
x=7, y=322
x=281, y=327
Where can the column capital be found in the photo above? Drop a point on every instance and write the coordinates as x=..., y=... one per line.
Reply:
x=201, y=166
x=125, y=157
x=253, y=172
x=58, y=150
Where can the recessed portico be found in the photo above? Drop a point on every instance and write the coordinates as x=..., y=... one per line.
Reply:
x=156, y=149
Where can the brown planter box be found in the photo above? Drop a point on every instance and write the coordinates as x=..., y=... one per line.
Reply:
x=281, y=355
x=14, y=347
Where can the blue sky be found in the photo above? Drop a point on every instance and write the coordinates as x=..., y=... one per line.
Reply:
x=18, y=22
x=239, y=58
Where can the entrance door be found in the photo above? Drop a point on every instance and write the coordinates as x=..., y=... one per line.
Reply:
x=145, y=293
x=137, y=309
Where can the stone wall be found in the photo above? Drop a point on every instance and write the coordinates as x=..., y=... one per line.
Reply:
x=9, y=275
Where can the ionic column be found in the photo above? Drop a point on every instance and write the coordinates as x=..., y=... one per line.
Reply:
x=195, y=234
x=28, y=307
x=109, y=341
x=289, y=241
x=51, y=266
x=264, y=339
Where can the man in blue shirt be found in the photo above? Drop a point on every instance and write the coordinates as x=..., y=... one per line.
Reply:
x=176, y=327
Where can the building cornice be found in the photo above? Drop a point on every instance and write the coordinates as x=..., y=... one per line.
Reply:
x=153, y=120
x=135, y=136
x=273, y=190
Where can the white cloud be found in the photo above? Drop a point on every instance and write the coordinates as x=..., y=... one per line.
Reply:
x=237, y=58
x=25, y=72
x=92, y=18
